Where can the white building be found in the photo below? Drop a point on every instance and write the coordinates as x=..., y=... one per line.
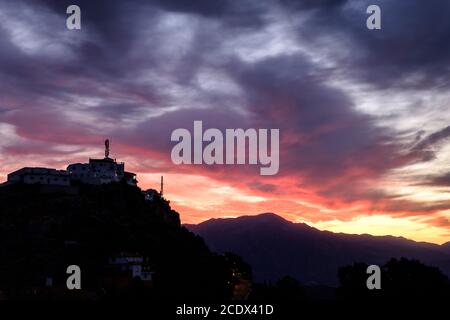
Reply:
x=101, y=171
x=132, y=263
x=45, y=176
x=97, y=171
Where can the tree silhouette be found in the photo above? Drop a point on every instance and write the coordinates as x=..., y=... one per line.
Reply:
x=400, y=279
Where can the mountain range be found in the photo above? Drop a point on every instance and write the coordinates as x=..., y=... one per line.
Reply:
x=275, y=247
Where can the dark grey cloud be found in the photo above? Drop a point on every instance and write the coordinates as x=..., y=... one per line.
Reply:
x=425, y=148
x=411, y=51
x=132, y=59
x=437, y=181
x=324, y=136
x=433, y=139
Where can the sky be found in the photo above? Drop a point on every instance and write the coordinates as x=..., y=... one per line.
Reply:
x=363, y=114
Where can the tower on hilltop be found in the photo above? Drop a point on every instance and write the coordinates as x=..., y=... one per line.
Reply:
x=107, y=148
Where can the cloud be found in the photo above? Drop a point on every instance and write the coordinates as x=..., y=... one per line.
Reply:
x=140, y=69
x=410, y=52
x=433, y=139
x=439, y=222
x=437, y=181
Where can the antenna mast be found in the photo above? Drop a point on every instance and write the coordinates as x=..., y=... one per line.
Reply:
x=162, y=186
x=107, y=148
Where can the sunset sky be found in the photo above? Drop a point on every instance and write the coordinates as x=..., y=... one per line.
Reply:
x=363, y=115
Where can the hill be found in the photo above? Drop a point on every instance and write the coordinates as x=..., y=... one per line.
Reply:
x=42, y=231
x=275, y=247
x=446, y=247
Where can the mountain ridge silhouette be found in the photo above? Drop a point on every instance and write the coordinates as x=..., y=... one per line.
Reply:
x=276, y=247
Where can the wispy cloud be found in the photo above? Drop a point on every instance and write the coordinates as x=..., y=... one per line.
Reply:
x=362, y=114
